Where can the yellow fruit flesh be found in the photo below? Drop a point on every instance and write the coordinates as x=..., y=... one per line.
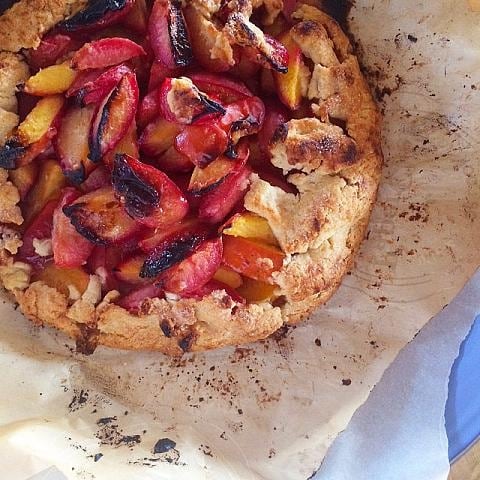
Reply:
x=61, y=278
x=255, y=290
x=39, y=120
x=291, y=86
x=48, y=187
x=51, y=80
x=250, y=225
x=228, y=276
x=24, y=177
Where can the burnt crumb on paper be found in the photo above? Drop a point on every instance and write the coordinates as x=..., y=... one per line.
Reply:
x=318, y=342
x=163, y=451
x=78, y=401
x=271, y=453
x=206, y=450
x=164, y=445
x=346, y=382
x=412, y=38
x=109, y=433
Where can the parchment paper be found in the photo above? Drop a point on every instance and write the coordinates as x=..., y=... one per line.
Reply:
x=409, y=401
x=271, y=410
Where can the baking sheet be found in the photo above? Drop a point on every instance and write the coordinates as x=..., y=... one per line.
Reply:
x=271, y=410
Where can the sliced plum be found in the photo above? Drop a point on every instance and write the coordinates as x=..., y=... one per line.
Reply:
x=148, y=194
x=187, y=227
x=113, y=117
x=33, y=135
x=53, y=46
x=39, y=229
x=158, y=137
x=128, y=270
x=170, y=252
x=226, y=89
x=71, y=143
x=195, y=271
x=169, y=34
x=133, y=301
x=70, y=249
x=101, y=218
x=96, y=88
x=98, y=178
x=97, y=14
x=105, y=52
x=204, y=180
x=202, y=143
x=174, y=162
x=216, y=205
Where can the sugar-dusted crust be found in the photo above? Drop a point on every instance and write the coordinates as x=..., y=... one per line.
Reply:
x=334, y=160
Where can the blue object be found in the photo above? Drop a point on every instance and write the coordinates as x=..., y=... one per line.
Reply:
x=462, y=411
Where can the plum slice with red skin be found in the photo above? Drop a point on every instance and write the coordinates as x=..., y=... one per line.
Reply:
x=105, y=52
x=114, y=117
x=169, y=34
x=182, y=102
x=216, y=205
x=97, y=14
x=195, y=271
x=174, y=162
x=15, y=154
x=202, y=143
x=101, y=218
x=102, y=262
x=71, y=142
x=149, y=196
x=53, y=47
x=204, y=180
x=159, y=72
x=70, y=249
x=222, y=87
x=134, y=300
x=242, y=118
x=83, y=80
x=41, y=229
x=165, y=236
x=95, y=88
x=171, y=251
x=99, y=178
x=148, y=109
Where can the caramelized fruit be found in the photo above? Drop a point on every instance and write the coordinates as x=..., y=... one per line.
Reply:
x=100, y=217
x=114, y=116
x=70, y=249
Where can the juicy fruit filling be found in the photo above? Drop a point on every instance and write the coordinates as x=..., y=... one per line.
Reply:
x=137, y=143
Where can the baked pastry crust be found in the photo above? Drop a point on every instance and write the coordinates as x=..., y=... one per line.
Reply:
x=334, y=160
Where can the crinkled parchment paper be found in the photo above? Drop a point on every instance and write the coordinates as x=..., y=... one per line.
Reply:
x=271, y=410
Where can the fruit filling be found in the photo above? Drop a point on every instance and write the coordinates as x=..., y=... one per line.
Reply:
x=143, y=126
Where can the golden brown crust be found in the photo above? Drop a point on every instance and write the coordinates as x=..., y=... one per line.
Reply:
x=336, y=171
x=23, y=25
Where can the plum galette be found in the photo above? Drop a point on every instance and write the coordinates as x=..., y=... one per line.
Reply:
x=179, y=175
